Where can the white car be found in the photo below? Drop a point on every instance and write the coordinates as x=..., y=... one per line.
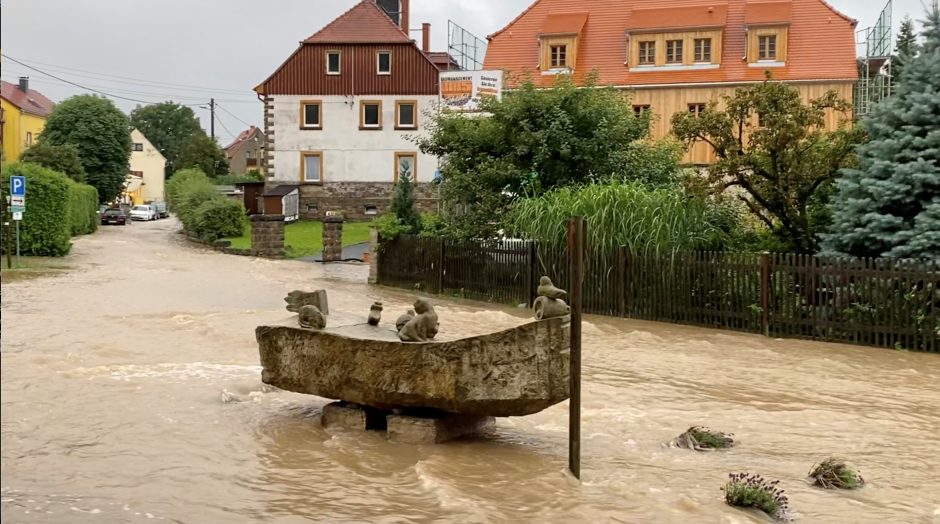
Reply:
x=143, y=213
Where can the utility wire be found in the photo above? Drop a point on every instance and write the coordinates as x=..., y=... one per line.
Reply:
x=232, y=114
x=116, y=89
x=137, y=81
x=93, y=90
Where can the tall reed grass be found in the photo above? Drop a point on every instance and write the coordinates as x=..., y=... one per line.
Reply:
x=643, y=219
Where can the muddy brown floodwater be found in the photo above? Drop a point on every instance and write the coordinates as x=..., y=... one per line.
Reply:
x=112, y=378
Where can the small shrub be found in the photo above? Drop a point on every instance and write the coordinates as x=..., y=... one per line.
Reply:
x=218, y=218
x=176, y=183
x=703, y=439
x=833, y=473
x=748, y=490
x=432, y=225
x=83, y=209
x=390, y=227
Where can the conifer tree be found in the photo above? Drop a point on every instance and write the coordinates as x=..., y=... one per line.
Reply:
x=905, y=49
x=403, y=202
x=890, y=205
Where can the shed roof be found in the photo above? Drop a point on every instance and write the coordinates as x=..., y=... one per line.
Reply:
x=281, y=190
x=564, y=23
x=713, y=15
x=757, y=13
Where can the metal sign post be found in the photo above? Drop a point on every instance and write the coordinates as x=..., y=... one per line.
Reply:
x=577, y=232
x=17, y=207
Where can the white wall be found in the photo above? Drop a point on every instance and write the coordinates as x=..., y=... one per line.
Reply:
x=349, y=154
x=151, y=162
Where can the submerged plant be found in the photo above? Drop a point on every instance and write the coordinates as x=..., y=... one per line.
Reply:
x=702, y=439
x=750, y=490
x=834, y=473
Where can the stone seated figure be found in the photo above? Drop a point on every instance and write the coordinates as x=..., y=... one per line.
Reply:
x=421, y=327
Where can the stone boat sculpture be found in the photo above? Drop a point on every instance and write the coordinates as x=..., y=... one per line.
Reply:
x=517, y=371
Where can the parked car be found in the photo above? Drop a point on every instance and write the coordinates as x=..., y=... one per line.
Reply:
x=160, y=209
x=113, y=216
x=143, y=212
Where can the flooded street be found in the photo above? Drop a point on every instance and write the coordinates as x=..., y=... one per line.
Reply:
x=112, y=410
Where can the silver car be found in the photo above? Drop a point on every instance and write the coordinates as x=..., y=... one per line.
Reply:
x=143, y=212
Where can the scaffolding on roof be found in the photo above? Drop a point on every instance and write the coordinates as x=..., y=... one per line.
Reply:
x=874, y=63
x=465, y=47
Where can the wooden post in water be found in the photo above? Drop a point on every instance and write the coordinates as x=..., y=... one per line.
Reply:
x=765, y=292
x=577, y=232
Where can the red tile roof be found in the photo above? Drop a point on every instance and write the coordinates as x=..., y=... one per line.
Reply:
x=756, y=13
x=564, y=23
x=364, y=23
x=821, y=43
x=32, y=101
x=714, y=15
x=232, y=149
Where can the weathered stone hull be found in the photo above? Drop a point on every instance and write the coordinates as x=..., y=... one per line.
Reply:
x=518, y=371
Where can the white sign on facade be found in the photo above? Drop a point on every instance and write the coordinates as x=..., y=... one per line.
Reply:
x=463, y=90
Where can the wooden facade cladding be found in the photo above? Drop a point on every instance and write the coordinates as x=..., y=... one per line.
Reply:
x=304, y=73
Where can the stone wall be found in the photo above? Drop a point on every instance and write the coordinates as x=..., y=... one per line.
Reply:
x=357, y=200
x=267, y=235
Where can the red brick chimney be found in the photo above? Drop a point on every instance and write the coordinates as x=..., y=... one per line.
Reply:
x=405, y=11
x=426, y=37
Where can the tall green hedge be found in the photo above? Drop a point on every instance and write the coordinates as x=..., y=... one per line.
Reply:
x=84, y=208
x=201, y=208
x=46, y=227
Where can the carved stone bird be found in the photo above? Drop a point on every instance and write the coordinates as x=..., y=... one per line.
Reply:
x=548, y=290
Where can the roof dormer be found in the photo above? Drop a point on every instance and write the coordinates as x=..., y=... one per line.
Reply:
x=675, y=38
x=767, y=27
x=558, y=42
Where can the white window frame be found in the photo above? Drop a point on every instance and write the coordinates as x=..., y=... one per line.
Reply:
x=378, y=62
x=339, y=61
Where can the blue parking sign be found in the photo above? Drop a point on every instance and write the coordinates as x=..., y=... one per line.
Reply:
x=17, y=186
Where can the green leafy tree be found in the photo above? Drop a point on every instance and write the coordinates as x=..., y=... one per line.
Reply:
x=905, y=49
x=100, y=132
x=403, y=201
x=776, y=151
x=532, y=141
x=204, y=153
x=890, y=205
x=168, y=126
x=62, y=158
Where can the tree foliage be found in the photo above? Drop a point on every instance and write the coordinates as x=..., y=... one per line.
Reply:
x=62, y=158
x=202, y=152
x=776, y=151
x=100, y=132
x=168, y=126
x=890, y=205
x=905, y=49
x=534, y=140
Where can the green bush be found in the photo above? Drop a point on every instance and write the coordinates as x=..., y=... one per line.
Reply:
x=218, y=218
x=195, y=194
x=45, y=229
x=179, y=180
x=390, y=227
x=83, y=208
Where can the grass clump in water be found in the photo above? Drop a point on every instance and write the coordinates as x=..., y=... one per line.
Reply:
x=702, y=439
x=750, y=490
x=833, y=473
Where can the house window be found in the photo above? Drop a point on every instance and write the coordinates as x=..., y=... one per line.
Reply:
x=311, y=167
x=647, y=53
x=311, y=114
x=696, y=109
x=384, y=63
x=371, y=210
x=29, y=139
x=406, y=114
x=703, y=50
x=370, y=114
x=137, y=173
x=767, y=47
x=673, y=51
x=558, y=56
x=640, y=110
x=138, y=146
x=406, y=164
x=332, y=62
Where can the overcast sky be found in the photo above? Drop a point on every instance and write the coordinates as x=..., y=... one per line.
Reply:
x=189, y=50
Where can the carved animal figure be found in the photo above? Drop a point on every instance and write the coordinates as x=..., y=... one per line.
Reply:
x=423, y=326
x=297, y=299
x=547, y=289
x=402, y=320
x=310, y=317
x=375, y=314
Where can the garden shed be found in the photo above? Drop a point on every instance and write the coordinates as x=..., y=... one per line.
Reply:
x=282, y=200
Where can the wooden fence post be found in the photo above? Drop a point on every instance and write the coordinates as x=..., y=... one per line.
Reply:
x=765, y=292
x=577, y=231
x=440, y=268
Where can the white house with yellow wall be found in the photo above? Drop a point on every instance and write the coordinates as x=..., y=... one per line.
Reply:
x=146, y=178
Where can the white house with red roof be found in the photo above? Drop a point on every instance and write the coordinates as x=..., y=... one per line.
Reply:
x=341, y=112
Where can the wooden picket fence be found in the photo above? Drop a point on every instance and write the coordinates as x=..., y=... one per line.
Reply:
x=876, y=302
